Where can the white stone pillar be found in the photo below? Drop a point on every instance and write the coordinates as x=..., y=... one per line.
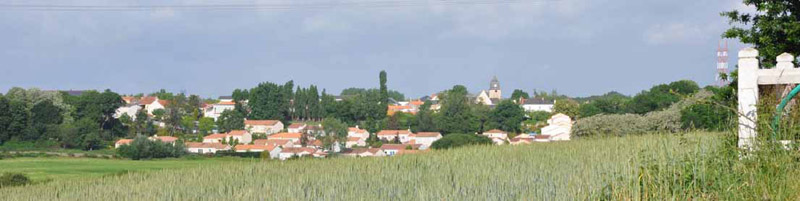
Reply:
x=748, y=96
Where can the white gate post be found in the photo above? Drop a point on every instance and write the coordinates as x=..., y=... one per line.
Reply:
x=748, y=96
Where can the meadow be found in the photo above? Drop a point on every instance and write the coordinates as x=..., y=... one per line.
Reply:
x=618, y=168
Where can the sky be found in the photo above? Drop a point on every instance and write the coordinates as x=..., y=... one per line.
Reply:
x=577, y=47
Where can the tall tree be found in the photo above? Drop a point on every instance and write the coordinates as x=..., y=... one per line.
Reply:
x=773, y=29
x=384, y=94
x=519, y=94
x=425, y=118
x=230, y=120
x=568, y=107
x=507, y=116
x=456, y=115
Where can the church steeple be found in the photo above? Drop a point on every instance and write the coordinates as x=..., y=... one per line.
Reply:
x=494, y=89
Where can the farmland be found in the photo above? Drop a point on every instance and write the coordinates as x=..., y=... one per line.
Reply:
x=580, y=169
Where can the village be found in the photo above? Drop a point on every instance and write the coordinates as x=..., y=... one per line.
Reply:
x=274, y=139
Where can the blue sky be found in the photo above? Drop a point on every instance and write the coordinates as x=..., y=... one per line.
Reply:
x=578, y=47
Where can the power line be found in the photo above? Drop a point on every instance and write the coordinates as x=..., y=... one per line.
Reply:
x=293, y=6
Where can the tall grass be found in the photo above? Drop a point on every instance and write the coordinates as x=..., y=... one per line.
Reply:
x=609, y=168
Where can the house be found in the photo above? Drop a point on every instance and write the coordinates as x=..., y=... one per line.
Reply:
x=287, y=153
x=357, y=132
x=483, y=98
x=206, y=148
x=397, y=149
x=559, y=127
x=164, y=139
x=215, y=110
x=536, y=104
x=130, y=109
x=315, y=130
x=297, y=127
x=426, y=139
x=274, y=151
x=152, y=103
x=355, y=141
x=121, y=142
x=542, y=138
x=390, y=135
x=263, y=126
x=497, y=136
x=522, y=139
x=274, y=142
x=242, y=136
x=363, y=152
x=225, y=98
x=129, y=99
x=293, y=137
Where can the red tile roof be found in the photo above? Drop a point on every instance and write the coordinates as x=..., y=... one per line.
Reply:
x=237, y=132
x=216, y=136
x=285, y=136
x=356, y=130
x=147, y=100
x=261, y=122
x=399, y=146
x=254, y=147
x=124, y=141
x=429, y=134
x=167, y=139
x=496, y=131
x=362, y=150
x=206, y=145
x=297, y=125
x=394, y=132
x=542, y=137
x=163, y=102
x=353, y=139
x=297, y=150
x=226, y=103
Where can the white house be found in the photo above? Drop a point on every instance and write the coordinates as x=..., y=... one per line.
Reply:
x=559, y=127
x=390, y=135
x=287, y=153
x=206, y=148
x=425, y=139
x=152, y=103
x=242, y=136
x=537, y=104
x=296, y=127
x=483, y=98
x=397, y=149
x=263, y=126
x=293, y=137
x=357, y=132
x=164, y=139
x=355, y=141
x=364, y=152
x=274, y=151
x=216, y=109
x=130, y=109
x=497, y=136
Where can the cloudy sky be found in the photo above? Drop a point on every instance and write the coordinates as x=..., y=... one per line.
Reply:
x=578, y=47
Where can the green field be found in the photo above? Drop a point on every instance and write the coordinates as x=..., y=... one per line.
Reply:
x=619, y=168
x=63, y=168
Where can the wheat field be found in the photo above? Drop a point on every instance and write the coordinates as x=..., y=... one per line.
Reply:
x=579, y=169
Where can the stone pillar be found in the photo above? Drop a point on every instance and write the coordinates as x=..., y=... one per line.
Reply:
x=748, y=96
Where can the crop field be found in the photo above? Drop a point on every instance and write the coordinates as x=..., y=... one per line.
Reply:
x=579, y=169
x=63, y=168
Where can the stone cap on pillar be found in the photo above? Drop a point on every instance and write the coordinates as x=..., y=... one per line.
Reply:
x=785, y=60
x=748, y=53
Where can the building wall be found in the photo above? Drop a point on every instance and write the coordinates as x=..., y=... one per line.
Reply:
x=538, y=107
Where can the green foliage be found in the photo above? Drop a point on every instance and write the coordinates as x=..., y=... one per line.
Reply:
x=507, y=116
x=773, y=29
x=519, y=94
x=664, y=121
x=230, y=120
x=425, y=119
x=455, y=114
x=609, y=103
x=351, y=92
x=714, y=113
x=335, y=128
x=159, y=114
x=662, y=96
x=13, y=179
x=568, y=107
x=205, y=125
x=270, y=101
x=459, y=140
x=143, y=148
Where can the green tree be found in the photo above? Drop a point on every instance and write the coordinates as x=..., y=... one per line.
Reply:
x=568, y=107
x=425, y=118
x=205, y=125
x=456, y=114
x=230, y=120
x=773, y=29
x=519, y=94
x=661, y=96
x=459, y=140
x=507, y=116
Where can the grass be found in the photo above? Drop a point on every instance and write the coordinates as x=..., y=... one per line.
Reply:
x=603, y=168
x=63, y=169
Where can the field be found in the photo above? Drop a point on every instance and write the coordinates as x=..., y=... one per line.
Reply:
x=603, y=168
x=62, y=168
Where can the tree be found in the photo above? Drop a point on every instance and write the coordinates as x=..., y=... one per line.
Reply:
x=456, y=115
x=140, y=123
x=459, y=140
x=425, y=118
x=159, y=114
x=270, y=101
x=568, y=107
x=773, y=29
x=188, y=123
x=230, y=120
x=507, y=116
x=519, y=94
x=205, y=125
x=661, y=96
x=335, y=130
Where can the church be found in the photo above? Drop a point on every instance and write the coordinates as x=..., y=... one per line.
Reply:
x=491, y=97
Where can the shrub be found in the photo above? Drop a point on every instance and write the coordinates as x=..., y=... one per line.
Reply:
x=458, y=140
x=664, y=121
x=143, y=148
x=13, y=179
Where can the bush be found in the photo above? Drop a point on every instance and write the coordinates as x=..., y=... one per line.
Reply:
x=458, y=140
x=143, y=148
x=13, y=179
x=664, y=121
